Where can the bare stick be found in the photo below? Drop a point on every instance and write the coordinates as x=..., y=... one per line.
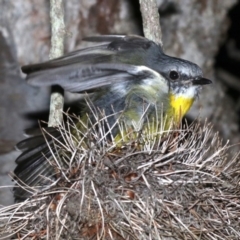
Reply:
x=151, y=20
x=57, y=45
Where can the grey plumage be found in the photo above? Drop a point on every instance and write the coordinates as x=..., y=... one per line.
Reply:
x=127, y=74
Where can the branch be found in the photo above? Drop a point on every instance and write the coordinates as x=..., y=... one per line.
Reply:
x=57, y=46
x=151, y=20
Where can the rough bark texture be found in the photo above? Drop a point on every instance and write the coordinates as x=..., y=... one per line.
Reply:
x=57, y=50
x=191, y=29
x=151, y=20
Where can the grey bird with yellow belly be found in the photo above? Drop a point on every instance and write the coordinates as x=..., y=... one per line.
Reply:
x=129, y=77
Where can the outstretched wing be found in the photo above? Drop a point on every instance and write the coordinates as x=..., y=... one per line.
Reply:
x=33, y=169
x=89, y=77
x=117, y=61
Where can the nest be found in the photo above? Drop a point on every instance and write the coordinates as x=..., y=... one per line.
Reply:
x=177, y=185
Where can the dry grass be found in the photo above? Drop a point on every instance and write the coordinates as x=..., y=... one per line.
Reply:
x=177, y=185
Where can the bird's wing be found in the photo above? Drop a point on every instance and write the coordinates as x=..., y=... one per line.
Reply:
x=110, y=45
x=83, y=78
x=116, y=60
x=82, y=56
x=122, y=43
x=33, y=168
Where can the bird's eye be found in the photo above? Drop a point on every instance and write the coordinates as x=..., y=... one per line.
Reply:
x=174, y=75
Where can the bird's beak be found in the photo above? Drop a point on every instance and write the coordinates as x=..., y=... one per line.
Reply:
x=201, y=81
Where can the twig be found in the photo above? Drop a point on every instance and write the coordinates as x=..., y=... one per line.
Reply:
x=57, y=45
x=151, y=20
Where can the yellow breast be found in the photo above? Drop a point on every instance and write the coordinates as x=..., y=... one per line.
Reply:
x=180, y=105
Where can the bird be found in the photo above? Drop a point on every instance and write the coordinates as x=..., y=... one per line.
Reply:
x=129, y=77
